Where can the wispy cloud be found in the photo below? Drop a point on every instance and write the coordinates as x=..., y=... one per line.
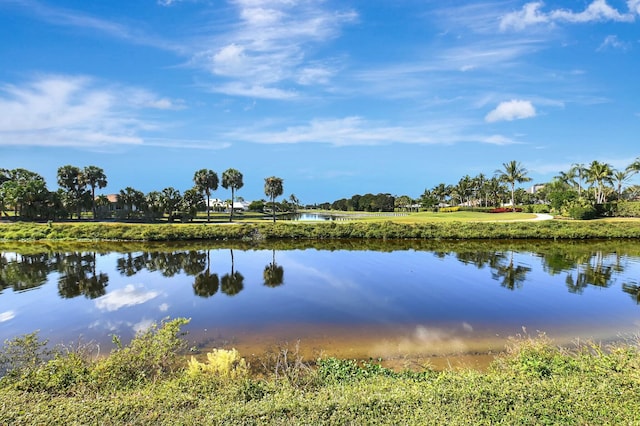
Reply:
x=357, y=131
x=75, y=111
x=511, y=110
x=597, y=11
x=73, y=18
x=613, y=42
x=265, y=54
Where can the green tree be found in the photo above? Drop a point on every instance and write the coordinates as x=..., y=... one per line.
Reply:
x=579, y=173
x=71, y=180
x=206, y=181
x=621, y=177
x=512, y=173
x=635, y=166
x=191, y=201
x=599, y=174
x=94, y=177
x=131, y=201
x=295, y=202
x=154, y=205
x=272, y=189
x=170, y=201
x=231, y=178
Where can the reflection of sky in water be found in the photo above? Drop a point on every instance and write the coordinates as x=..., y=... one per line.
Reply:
x=440, y=297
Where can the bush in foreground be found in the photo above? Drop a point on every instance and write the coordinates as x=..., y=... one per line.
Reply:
x=533, y=382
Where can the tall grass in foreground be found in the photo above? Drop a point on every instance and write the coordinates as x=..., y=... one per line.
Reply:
x=323, y=230
x=533, y=382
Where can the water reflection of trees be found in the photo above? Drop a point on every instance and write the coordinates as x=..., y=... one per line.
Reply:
x=512, y=275
x=206, y=283
x=633, y=290
x=196, y=263
x=23, y=271
x=78, y=276
x=580, y=264
x=273, y=273
x=232, y=283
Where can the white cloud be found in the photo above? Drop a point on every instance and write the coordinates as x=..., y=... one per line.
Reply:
x=511, y=110
x=268, y=47
x=128, y=296
x=74, y=111
x=613, y=42
x=597, y=11
x=529, y=15
x=7, y=316
x=71, y=18
x=357, y=131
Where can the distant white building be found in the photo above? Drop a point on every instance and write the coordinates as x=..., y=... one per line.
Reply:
x=535, y=188
x=218, y=204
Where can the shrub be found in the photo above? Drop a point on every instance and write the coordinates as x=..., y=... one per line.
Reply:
x=582, y=212
x=220, y=362
x=628, y=209
x=150, y=355
x=22, y=356
x=449, y=209
x=541, y=208
x=505, y=210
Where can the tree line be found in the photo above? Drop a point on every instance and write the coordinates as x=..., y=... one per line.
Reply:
x=582, y=190
x=25, y=193
x=579, y=192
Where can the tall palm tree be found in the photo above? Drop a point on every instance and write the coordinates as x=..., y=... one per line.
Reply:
x=579, y=171
x=599, y=174
x=273, y=189
x=479, y=185
x=70, y=179
x=296, y=203
x=206, y=181
x=620, y=177
x=231, y=178
x=511, y=173
x=94, y=177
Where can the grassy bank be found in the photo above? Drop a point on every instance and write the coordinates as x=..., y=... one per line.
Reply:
x=400, y=228
x=147, y=382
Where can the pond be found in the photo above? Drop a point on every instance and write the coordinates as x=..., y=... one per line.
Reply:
x=408, y=302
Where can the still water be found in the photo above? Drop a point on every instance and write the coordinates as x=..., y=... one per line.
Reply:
x=395, y=300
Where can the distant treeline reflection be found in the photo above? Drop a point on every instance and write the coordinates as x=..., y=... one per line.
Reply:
x=23, y=267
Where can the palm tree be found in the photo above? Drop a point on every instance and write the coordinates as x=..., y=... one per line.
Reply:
x=620, y=177
x=231, y=178
x=294, y=200
x=635, y=166
x=273, y=189
x=513, y=172
x=206, y=181
x=94, y=176
x=70, y=179
x=171, y=198
x=579, y=172
x=599, y=174
x=479, y=187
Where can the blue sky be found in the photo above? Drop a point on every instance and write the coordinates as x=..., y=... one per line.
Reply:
x=335, y=97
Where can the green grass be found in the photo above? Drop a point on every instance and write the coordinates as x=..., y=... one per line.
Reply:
x=417, y=227
x=533, y=382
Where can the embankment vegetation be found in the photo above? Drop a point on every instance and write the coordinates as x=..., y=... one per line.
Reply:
x=150, y=381
x=383, y=229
